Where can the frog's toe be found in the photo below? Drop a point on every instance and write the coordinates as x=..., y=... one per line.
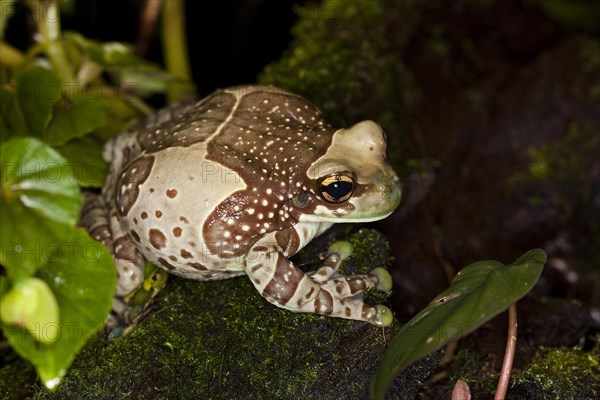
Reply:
x=384, y=279
x=342, y=248
x=384, y=316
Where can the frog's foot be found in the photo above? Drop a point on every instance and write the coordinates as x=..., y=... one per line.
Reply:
x=119, y=315
x=384, y=279
x=337, y=252
x=286, y=286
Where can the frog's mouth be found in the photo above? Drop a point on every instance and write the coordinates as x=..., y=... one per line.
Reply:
x=341, y=217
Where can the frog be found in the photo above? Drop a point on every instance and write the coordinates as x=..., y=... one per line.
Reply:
x=236, y=184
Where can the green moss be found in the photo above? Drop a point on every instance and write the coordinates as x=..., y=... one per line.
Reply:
x=558, y=161
x=557, y=373
x=16, y=377
x=563, y=164
x=553, y=373
x=222, y=340
x=474, y=369
x=341, y=60
x=371, y=250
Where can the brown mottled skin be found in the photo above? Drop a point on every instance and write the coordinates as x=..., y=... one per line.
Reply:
x=235, y=184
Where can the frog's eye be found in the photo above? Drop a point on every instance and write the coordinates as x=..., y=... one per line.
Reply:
x=337, y=188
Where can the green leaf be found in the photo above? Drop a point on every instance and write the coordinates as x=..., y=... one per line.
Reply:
x=40, y=198
x=82, y=278
x=4, y=285
x=85, y=158
x=146, y=79
x=120, y=116
x=28, y=304
x=74, y=120
x=478, y=293
x=140, y=75
x=36, y=108
x=12, y=122
x=109, y=54
x=38, y=89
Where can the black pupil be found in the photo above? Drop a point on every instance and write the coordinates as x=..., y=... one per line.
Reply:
x=338, y=189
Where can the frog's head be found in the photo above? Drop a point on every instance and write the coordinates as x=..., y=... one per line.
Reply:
x=352, y=181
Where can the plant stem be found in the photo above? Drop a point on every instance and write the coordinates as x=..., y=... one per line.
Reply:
x=48, y=23
x=509, y=354
x=10, y=56
x=147, y=24
x=175, y=50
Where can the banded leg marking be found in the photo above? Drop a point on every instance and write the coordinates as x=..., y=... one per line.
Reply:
x=94, y=219
x=286, y=286
x=350, y=286
x=337, y=252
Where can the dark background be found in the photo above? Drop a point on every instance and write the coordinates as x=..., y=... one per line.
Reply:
x=230, y=41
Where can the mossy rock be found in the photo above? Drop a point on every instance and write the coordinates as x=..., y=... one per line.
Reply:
x=222, y=340
x=559, y=373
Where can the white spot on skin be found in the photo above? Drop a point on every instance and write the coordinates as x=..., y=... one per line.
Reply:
x=265, y=202
x=227, y=234
x=245, y=228
x=230, y=221
x=251, y=211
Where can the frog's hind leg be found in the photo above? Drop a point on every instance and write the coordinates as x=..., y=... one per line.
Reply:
x=286, y=286
x=93, y=218
x=107, y=230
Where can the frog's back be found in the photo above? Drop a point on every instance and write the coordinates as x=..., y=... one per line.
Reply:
x=250, y=108
x=205, y=181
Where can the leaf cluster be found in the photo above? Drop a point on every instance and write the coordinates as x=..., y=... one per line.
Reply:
x=59, y=101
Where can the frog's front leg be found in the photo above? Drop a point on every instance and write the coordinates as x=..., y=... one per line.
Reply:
x=286, y=286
